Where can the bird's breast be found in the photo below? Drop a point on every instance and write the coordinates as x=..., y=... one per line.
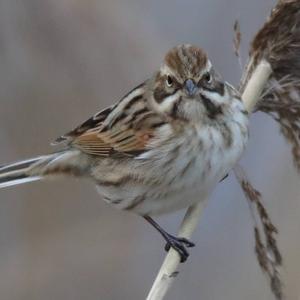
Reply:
x=181, y=171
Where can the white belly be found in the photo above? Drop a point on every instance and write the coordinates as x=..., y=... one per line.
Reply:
x=201, y=161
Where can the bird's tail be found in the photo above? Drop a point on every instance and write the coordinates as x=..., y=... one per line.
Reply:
x=60, y=163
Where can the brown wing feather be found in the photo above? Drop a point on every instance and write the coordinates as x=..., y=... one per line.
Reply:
x=125, y=128
x=105, y=143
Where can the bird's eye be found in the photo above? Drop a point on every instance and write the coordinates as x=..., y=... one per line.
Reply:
x=207, y=78
x=169, y=81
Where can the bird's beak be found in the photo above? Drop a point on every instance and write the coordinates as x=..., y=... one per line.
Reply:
x=190, y=87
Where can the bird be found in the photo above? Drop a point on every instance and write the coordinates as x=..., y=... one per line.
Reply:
x=163, y=147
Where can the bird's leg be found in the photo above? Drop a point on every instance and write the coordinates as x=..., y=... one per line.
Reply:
x=224, y=177
x=177, y=243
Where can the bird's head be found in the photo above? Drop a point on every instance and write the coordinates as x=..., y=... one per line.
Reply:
x=187, y=87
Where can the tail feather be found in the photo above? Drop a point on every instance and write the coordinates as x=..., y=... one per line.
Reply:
x=15, y=180
x=36, y=168
x=17, y=173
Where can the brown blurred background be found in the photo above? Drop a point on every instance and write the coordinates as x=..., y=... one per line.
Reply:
x=60, y=62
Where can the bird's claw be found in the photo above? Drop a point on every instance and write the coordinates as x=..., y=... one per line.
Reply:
x=179, y=244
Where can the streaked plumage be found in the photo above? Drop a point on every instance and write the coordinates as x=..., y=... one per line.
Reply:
x=162, y=147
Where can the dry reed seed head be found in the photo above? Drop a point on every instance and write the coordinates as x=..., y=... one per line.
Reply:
x=260, y=251
x=271, y=269
x=266, y=249
x=278, y=42
x=269, y=229
x=237, y=38
x=276, y=285
x=252, y=194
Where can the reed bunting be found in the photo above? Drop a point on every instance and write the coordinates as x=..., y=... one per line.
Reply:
x=162, y=147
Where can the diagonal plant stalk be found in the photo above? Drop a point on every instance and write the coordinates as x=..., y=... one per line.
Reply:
x=169, y=268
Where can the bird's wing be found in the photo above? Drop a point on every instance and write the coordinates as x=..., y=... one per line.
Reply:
x=125, y=128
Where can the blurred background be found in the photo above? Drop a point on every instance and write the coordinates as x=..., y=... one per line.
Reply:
x=63, y=60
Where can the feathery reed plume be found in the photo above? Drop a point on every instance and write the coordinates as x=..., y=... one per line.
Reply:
x=278, y=42
x=267, y=253
x=237, y=39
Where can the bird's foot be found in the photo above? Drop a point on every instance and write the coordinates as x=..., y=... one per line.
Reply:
x=179, y=244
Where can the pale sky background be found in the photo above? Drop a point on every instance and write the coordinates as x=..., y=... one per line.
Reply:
x=63, y=60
